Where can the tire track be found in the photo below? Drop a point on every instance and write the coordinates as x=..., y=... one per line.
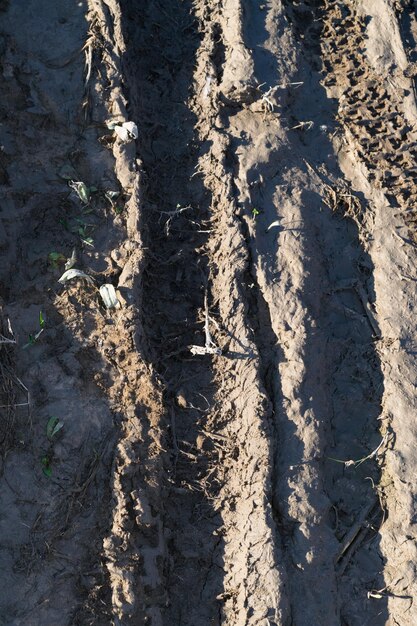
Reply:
x=371, y=115
x=161, y=46
x=373, y=82
x=304, y=315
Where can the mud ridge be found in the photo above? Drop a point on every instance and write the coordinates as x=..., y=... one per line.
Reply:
x=309, y=480
x=374, y=86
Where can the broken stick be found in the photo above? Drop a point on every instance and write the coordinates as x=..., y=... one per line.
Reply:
x=209, y=347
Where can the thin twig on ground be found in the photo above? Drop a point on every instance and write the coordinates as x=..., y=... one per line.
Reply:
x=353, y=533
x=374, y=453
x=5, y=340
x=308, y=125
x=267, y=103
x=173, y=214
x=363, y=297
x=210, y=347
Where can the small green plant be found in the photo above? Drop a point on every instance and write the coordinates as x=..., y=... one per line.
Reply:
x=64, y=223
x=83, y=232
x=34, y=338
x=82, y=191
x=53, y=427
x=81, y=228
x=55, y=258
x=67, y=172
x=113, y=197
x=46, y=462
x=255, y=213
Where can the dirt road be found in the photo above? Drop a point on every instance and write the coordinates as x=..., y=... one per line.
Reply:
x=236, y=443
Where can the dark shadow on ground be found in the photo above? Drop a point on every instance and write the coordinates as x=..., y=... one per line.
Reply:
x=162, y=41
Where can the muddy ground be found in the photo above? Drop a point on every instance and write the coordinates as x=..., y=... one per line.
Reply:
x=266, y=213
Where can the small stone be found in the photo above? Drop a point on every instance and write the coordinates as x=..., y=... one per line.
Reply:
x=181, y=401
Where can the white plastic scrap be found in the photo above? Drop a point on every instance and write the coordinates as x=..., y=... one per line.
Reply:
x=128, y=131
x=109, y=297
x=73, y=273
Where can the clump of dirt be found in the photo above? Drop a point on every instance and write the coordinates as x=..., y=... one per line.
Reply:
x=234, y=442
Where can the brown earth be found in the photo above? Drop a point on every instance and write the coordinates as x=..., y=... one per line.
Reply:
x=269, y=199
